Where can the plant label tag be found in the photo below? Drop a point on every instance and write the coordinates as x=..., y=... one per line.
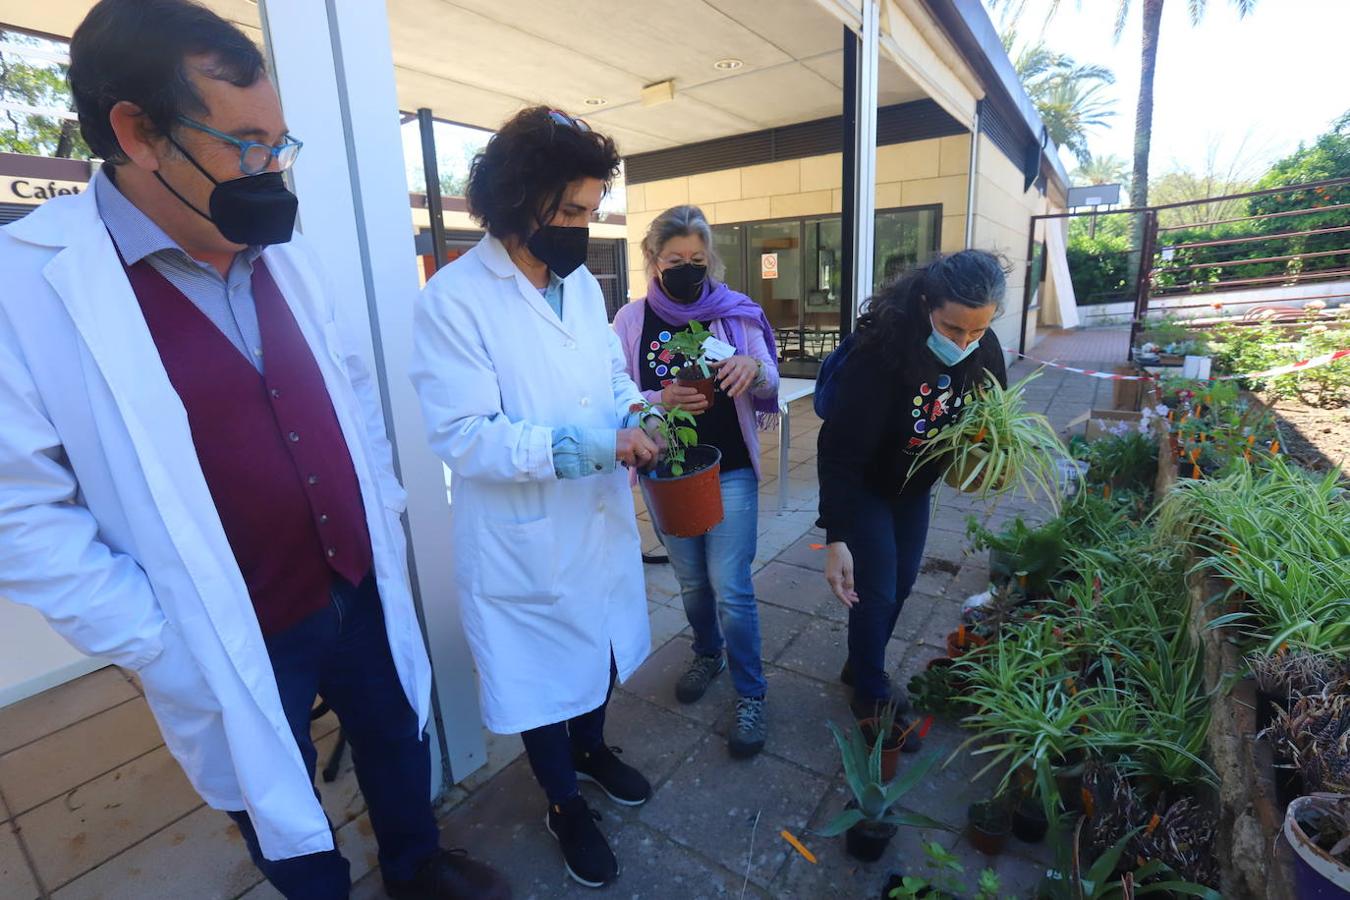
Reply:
x=715, y=349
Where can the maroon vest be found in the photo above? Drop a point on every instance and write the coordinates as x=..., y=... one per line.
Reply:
x=270, y=446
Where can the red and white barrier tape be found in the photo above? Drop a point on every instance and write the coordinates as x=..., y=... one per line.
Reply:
x=1324, y=359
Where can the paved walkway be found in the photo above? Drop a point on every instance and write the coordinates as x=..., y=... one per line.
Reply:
x=93, y=806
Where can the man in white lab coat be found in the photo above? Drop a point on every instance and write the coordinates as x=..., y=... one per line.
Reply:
x=527, y=398
x=194, y=478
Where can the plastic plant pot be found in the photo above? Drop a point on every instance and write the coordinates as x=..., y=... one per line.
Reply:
x=1317, y=874
x=867, y=841
x=688, y=505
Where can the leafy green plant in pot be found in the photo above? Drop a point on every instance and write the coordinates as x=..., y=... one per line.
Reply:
x=1070, y=879
x=997, y=446
x=886, y=726
x=946, y=879
x=872, y=819
x=695, y=372
x=684, y=489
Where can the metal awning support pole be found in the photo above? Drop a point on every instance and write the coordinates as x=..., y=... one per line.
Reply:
x=860, y=158
x=427, y=125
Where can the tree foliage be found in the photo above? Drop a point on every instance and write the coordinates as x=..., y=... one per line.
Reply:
x=38, y=84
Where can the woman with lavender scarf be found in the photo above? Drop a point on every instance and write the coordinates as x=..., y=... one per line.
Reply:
x=714, y=570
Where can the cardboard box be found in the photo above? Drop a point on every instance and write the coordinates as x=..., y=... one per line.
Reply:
x=1128, y=395
x=1101, y=422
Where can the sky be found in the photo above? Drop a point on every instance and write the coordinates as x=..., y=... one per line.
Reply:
x=1246, y=91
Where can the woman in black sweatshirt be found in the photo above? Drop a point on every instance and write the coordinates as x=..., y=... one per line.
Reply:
x=919, y=353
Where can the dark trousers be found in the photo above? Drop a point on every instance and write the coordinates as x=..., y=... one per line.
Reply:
x=342, y=654
x=887, y=539
x=550, y=747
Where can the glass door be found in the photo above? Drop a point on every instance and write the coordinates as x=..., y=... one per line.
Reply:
x=774, y=280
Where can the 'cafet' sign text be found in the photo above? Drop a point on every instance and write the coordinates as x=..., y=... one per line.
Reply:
x=34, y=190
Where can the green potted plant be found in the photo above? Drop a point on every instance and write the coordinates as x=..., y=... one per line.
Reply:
x=946, y=880
x=694, y=370
x=997, y=446
x=885, y=726
x=684, y=489
x=1071, y=879
x=872, y=819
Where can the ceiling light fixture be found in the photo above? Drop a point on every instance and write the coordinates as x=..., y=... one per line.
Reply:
x=595, y=101
x=729, y=64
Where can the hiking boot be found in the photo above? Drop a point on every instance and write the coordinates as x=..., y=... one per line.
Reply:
x=586, y=853
x=623, y=783
x=693, y=684
x=747, y=738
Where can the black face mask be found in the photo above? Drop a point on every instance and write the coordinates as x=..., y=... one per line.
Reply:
x=256, y=210
x=561, y=248
x=684, y=283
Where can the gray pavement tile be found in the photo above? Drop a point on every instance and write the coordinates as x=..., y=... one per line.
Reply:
x=818, y=651
x=711, y=803
x=777, y=628
x=807, y=552
x=792, y=587
x=654, y=740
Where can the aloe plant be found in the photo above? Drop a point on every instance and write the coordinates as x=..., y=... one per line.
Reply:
x=997, y=445
x=874, y=800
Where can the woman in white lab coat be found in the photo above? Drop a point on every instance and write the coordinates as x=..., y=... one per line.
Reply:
x=527, y=398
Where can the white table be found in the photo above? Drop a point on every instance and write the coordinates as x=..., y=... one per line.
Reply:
x=789, y=389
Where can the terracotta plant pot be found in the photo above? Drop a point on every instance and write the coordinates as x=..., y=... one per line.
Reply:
x=703, y=385
x=960, y=643
x=867, y=841
x=890, y=749
x=1317, y=874
x=956, y=477
x=988, y=828
x=688, y=505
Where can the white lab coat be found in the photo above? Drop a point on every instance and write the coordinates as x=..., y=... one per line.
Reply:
x=108, y=529
x=548, y=571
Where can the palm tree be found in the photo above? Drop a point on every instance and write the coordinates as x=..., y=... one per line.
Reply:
x=1109, y=169
x=1068, y=95
x=1143, y=118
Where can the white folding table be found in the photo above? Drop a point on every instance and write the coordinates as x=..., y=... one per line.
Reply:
x=789, y=389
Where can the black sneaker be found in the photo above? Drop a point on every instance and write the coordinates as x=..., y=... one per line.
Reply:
x=451, y=873
x=623, y=783
x=586, y=853
x=747, y=738
x=693, y=684
x=864, y=708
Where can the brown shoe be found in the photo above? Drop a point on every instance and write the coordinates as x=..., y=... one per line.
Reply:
x=451, y=875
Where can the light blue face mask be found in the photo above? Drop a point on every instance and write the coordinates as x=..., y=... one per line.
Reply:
x=945, y=349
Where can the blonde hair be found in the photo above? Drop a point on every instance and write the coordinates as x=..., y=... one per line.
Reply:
x=681, y=221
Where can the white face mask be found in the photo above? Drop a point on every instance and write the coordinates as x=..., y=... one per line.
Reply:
x=946, y=349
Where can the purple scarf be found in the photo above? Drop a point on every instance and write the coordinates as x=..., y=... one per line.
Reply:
x=720, y=303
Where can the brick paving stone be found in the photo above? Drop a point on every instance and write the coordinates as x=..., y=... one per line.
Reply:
x=818, y=651
x=654, y=740
x=806, y=552
x=16, y=878
x=803, y=590
x=655, y=683
x=777, y=628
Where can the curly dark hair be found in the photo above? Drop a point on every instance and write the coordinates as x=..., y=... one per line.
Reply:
x=134, y=50
x=517, y=182
x=897, y=324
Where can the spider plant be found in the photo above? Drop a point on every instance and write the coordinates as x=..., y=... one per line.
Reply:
x=997, y=446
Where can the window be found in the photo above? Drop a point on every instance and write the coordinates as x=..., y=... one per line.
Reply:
x=802, y=259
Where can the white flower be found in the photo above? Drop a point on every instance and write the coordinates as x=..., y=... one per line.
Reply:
x=1315, y=304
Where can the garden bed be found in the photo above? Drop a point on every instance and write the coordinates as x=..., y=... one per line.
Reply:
x=1318, y=438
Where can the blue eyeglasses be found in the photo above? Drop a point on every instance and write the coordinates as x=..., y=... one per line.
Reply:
x=254, y=158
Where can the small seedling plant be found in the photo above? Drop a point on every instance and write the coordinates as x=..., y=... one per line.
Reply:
x=947, y=879
x=688, y=345
x=678, y=431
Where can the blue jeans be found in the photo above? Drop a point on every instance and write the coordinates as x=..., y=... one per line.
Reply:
x=342, y=654
x=887, y=540
x=719, y=595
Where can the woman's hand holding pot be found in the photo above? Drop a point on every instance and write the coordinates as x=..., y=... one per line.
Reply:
x=839, y=573
x=737, y=374
x=679, y=396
